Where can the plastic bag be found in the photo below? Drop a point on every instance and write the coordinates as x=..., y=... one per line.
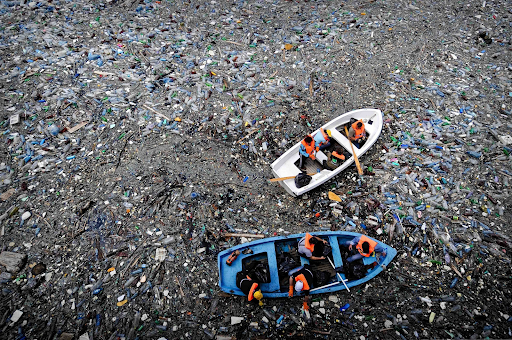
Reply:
x=261, y=273
x=322, y=278
x=302, y=179
x=286, y=264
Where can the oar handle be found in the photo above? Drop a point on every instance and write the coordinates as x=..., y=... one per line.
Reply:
x=285, y=178
x=359, y=170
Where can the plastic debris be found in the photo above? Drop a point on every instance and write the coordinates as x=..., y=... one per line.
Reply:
x=137, y=138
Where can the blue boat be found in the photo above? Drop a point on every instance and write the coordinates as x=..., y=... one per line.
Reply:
x=271, y=251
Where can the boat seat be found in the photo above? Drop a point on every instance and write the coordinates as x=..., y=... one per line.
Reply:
x=293, y=271
x=369, y=260
x=321, y=157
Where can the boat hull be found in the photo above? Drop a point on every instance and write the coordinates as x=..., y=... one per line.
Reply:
x=270, y=247
x=285, y=165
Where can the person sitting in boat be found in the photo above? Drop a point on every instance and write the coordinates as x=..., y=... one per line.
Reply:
x=335, y=158
x=365, y=247
x=357, y=133
x=312, y=247
x=322, y=139
x=249, y=287
x=303, y=281
x=306, y=150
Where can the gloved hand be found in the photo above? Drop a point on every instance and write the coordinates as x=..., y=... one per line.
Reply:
x=305, y=306
x=290, y=292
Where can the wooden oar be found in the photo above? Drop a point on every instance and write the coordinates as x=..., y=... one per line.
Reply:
x=359, y=170
x=339, y=276
x=285, y=178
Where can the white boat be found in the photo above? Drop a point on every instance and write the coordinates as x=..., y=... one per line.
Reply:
x=288, y=164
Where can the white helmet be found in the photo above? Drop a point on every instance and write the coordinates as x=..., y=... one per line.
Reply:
x=298, y=286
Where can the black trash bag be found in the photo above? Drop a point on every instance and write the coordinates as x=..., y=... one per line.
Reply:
x=321, y=278
x=261, y=273
x=302, y=179
x=286, y=264
x=359, y=270
x=327, y=250
x=321, y=249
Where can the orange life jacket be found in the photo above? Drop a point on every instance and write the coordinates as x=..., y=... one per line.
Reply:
x=305, y=283
x=359, y=246
x=358, y=133
x=307, y=244
x=326, y=137
x=309, y=148
x=254, y=287
x=338, y=155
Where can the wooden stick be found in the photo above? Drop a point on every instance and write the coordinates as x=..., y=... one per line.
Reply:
x=285, y=178
x=243, y=235
x=359, y=170
x=179, y=284
x=455, y=269
x=43, y=220
x=158, y=113
x=247, y=135
x=77, y=127
x=234, y=42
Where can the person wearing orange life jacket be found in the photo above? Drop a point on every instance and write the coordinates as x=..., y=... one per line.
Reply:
x=306, y=150
x=357, y=133
x=302, y=280
x=312, y=247
x=322, y=139
x=249, y=287
x=335, y=158
x=365, y=247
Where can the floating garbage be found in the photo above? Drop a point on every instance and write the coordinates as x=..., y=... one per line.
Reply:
x=137, y=142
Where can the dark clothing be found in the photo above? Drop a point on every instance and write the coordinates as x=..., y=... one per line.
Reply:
x=324, y=146
x=302, y=162
x=244, y=283
x=319, y=249
x=308, y=273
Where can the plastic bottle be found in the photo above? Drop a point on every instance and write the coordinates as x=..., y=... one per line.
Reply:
x=269, y=314
x=54, y=129
x=280, y=319
x=129, y=282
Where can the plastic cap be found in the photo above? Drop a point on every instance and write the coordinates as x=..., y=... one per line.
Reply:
x=298, y=286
